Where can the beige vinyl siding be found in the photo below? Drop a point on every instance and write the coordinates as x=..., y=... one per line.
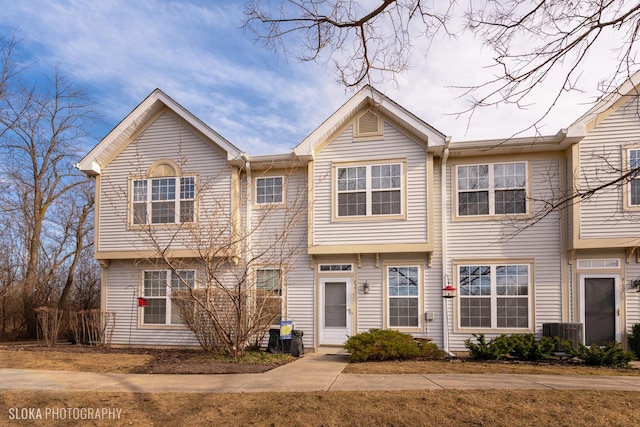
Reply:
x=300, y=298
x=369, y=306
x=127, y=132
x=123, y=288
x=434, y=275
x=343, y=149
x=602, y=215
x=166, y=138
x=299, y=291
x=632, y=297
x=502, y=241
x=271, y=221
x=368, y=309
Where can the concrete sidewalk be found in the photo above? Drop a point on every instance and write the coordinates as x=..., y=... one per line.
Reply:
x=313, y=372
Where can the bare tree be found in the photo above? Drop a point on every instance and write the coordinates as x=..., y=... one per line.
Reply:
x=76, y=224
x=535, y=45
x=10, y=274
x=535, y=40
x=241, y=265
x=530, y=40
x=42, y=127
x=8, y=66
x=365, y=41
x=85, y=292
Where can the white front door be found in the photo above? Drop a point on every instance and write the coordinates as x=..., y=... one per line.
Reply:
x=599, y=308
x=335, y=310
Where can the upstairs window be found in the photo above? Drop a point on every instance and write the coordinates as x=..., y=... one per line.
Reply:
x=492, y=189
x=371, y=190
x=167, y=200
x=270, y=190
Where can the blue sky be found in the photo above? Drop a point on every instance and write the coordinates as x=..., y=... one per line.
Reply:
x=196, y=52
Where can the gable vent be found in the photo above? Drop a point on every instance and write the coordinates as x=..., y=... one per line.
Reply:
x=369, y=124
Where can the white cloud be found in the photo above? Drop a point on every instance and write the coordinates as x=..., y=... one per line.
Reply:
x=196, y=53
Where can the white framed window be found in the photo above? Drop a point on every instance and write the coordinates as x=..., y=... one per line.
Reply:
x=157, y=288
x=166, y=200
x=369, y=190
x=269, y=294
x=634, y=177
x=403, y=293
x=335, y=268
x=494, y=296
x=270, y=190
x=492, y=189
x=599, y=264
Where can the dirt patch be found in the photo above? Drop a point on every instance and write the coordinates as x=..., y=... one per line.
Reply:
x=147, y=360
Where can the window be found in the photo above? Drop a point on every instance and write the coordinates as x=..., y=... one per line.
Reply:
x=634, y=181
x=403, y=291
x=603, y=263
x=369, y=190
x=492, y=189
x=335, y=268
x=269, y=295
x=163, y=200
x=269, y=190
x=494, y=296
x=158, y=286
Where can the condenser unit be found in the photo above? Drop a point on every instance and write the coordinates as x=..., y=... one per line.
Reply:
x=565, y=331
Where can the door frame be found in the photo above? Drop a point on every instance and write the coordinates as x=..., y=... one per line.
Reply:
x=348, y=280
x=617, y=314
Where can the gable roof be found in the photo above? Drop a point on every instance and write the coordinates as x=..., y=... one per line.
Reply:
x=369, y=97
x=604, y=108
x=95, y=161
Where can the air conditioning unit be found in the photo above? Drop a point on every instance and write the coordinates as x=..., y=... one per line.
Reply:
x=565, y=331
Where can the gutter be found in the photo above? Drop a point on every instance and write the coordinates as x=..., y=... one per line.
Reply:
x=443, y=230
x=249, y=198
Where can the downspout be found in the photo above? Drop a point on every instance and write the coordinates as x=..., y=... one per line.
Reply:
x=249, y=201
x=443, y=231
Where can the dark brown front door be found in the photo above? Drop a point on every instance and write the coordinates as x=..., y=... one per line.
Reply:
x=599, y=310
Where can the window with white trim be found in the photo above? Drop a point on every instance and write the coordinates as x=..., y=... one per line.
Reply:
x=335, y=268
x=600, y=263
x=167, y=200
x=403, y=290
x=494, y=296
x=157, y=289
x=269, y=190
x=492, y=189
x=370, y=190
x=269, y=295
x=634, y=177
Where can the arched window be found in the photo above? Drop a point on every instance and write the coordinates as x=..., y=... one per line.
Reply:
x=165, y=197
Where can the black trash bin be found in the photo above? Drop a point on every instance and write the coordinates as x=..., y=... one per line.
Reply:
x=276, y=345
x=297, y=346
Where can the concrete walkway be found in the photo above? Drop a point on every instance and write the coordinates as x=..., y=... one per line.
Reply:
x=313, y=372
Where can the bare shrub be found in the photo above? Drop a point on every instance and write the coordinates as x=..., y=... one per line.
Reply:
x=93, y=327
x=49, y=319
